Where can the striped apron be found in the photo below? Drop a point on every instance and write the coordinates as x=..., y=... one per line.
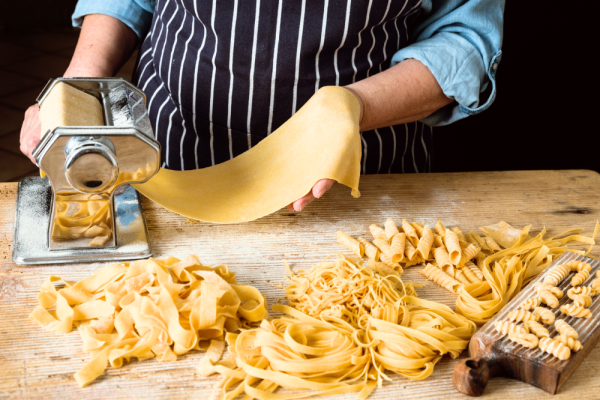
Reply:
x=222, y=75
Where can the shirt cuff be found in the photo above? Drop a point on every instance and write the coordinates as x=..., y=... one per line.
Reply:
x=459, y=69
x=136, y=16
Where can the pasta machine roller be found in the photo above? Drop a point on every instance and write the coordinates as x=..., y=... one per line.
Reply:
x=83, y=209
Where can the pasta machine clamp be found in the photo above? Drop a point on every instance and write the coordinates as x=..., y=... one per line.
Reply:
x=84, y=209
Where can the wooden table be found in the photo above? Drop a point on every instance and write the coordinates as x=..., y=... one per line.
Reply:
x=38, y=364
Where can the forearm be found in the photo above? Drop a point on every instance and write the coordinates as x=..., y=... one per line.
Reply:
x=404, y=93
x=104, y=45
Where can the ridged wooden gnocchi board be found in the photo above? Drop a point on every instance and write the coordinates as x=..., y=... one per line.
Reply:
x=495, y=355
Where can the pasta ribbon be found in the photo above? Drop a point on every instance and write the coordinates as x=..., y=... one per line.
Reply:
x=83, y=216
x=149, y=308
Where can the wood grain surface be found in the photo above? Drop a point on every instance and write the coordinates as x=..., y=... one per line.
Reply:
x=503, y=357
x=39, y=364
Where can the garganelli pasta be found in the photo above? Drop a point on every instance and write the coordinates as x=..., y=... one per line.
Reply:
x=350, y=243
x=149, y=308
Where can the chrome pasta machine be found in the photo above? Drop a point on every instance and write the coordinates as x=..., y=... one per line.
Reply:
x=96, y=140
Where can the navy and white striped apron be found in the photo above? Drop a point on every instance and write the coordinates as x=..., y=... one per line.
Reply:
x=222, y=75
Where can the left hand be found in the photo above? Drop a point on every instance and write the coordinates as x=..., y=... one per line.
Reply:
x=316, y=192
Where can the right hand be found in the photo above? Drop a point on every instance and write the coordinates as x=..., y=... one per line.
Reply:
x=31, y=131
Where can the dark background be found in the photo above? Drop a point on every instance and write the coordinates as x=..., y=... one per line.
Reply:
x=544, y=113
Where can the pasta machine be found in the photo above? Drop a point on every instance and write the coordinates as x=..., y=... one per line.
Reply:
x=84, y=209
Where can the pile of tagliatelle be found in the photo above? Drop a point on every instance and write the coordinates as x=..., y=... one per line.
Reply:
x=486, y=272
x=346, y=326
x=149, y=308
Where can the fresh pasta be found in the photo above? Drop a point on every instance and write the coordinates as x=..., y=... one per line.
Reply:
x=149, y=308
x=565, y=329
x=547, y=296
x=556, y=348
x=425, y=243
x=557, y=274
x=546, y=316
x=580, y=277
x=572, y=293
x=522, y=316
x=537, y=329
x=397, y=247
x=441, y=278
x=411, y=233
x=390, y=228
x=582, y=300
x=377, y=232
x=575, y=310
x=573, y=344
x=371, y=251
x=531, y=303
x=507, y=328
x=350, y=243
x=453, y=246
x=475, y=269
x=83, y=216
x=527, y=340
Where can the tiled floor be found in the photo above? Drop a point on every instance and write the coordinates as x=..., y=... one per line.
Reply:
x=27, y=62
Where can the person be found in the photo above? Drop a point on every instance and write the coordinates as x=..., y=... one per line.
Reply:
x=222, y=75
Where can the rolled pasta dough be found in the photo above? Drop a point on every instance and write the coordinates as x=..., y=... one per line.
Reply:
x=320, y=141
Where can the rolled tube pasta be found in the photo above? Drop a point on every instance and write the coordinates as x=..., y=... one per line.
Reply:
x=411, y=233
x=390, y=228
x=377, y=232
x=425, y=243
x=371, y=251
x=453, y=246
x=350, y=243
x=397, y=247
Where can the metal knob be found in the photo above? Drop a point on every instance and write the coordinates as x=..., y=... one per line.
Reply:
x=90, y=163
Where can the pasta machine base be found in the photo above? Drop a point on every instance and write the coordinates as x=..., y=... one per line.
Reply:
x=34, y=208
x=495, y=355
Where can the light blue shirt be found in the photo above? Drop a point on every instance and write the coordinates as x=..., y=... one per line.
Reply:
x=458, y=40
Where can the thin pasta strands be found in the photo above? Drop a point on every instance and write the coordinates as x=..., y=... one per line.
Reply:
x=350, y=243
x=390, y=228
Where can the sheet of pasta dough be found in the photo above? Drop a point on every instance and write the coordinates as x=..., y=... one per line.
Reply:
x=321, y=140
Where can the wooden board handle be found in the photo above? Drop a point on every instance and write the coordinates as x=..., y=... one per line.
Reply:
x=471, y=375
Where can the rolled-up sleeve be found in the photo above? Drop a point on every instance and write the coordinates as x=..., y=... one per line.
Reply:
x=459, y=41
x=136, y=14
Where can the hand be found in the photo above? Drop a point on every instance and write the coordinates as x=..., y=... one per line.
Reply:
x=31, y=131
x=317, y=191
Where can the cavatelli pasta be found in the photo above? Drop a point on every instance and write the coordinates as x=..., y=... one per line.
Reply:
x=507, y=327
x=411, y=234
x=575, y=310
x=573, y=344
x=580, y=277
x=491, y=243
x=377, y=232
x=390, y=228
x=397, y=247
x=531, y=303
x=578, y=266
x=565, y=329
x=537, y=329
x=350, y=243
x=425, y=243
x=546, y=316
x=453, y=246
x=582, y=300
x=522, y=316
x=371, y=251
x=556, y=348
x=581, y=290
x=527, y=339
x=441, y=278
x=547, y=296
x=557, y=274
